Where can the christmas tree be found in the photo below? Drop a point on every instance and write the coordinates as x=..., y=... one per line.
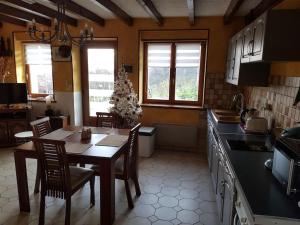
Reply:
x=124, y=100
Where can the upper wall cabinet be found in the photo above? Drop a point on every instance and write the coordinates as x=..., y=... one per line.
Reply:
x=244, y=73
x=272, y=37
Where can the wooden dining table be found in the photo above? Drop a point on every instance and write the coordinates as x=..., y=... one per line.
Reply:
x=104, y=156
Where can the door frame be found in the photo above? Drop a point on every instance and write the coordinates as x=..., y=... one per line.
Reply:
x=87, y=120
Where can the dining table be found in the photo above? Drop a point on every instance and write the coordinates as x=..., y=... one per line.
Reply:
x=103, y=148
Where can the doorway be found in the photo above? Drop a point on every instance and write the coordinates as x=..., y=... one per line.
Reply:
x=99, y=66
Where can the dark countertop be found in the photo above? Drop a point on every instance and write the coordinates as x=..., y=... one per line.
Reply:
x=262, y=191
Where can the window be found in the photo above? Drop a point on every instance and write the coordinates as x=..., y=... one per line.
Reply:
x=174, y=72
x=38, y=69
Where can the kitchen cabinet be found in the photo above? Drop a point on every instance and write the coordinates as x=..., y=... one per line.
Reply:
x=222, y=176
x=253, y=40
x=12, y=121
x=268, y=38
x=244, y=73
x=271, y=38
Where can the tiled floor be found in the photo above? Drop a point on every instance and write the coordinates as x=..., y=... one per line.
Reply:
x=176, y=189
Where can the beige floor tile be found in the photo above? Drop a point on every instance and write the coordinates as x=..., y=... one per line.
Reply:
x=173, y=193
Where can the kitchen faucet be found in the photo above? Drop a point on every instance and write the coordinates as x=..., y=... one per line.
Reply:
x=238, y=99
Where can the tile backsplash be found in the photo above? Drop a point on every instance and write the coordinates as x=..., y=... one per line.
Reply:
x=218, y=93
x=280, y=95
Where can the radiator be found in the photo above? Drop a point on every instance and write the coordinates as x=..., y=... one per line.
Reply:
x=178, y=137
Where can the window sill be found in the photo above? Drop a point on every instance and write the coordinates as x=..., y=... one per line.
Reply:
x=39, y=99
x=201, y=108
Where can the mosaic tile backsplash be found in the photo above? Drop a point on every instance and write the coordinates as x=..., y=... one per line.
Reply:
x=280, y=94
x=218, y=93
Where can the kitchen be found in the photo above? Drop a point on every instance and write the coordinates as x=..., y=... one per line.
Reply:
x=238, y=135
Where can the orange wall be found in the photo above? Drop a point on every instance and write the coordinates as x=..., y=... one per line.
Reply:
x=128, y=52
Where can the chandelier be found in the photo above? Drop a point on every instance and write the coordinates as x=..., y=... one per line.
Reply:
x=61, y=31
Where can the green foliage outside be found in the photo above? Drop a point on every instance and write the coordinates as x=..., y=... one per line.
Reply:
x=186, y=83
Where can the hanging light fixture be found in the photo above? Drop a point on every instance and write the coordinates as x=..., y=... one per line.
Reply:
x=61, y=31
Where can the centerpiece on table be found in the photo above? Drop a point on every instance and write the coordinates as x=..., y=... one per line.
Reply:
x=125, y=101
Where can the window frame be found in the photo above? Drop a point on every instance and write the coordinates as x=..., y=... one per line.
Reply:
x=27, y=71
x=172, y=83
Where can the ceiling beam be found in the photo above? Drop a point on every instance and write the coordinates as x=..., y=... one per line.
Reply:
x=120, y=13
x=232, y=8
x=12, y=20
x=20, y=14
x=81, y=11
x=151, y=10
x=191, y=9
x=263, y=6
x=39, y=8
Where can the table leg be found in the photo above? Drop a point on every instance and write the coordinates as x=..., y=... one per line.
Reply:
x=107, y=192
x=21, y=175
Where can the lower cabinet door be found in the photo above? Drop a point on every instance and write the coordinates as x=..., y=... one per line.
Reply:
x=214, y=167
x=220, y=190
x=3, y=133
x=15, y=127
x=228, y=205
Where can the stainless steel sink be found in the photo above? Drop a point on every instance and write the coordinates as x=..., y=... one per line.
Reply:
x=243, y=145
x=226, y=116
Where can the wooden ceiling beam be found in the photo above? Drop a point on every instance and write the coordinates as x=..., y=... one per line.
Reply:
x=12, y=20
x=39, y=8
x=120, y=13
x=263, y=6
x=81, y=11
x=232, y=8
x=151, y=10
x=191, y=9
x=20, y=14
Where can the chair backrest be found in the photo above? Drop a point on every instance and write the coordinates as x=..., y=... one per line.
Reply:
x=131, y=155
x=41, y=127
x=55, y=173
x=105, y=119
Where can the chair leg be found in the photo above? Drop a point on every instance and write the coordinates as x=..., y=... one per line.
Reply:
x=68, y=211
x=136, y=184
x=37, y=178
x=42, y=210
x=128, y=194
x=92, y=187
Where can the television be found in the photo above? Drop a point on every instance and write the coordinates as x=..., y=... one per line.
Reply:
x=18, y=93
x=13, y=93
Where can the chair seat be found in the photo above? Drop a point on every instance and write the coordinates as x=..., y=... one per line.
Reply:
x=119, y=165
x=79, y=175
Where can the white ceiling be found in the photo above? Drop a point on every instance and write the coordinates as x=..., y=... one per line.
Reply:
x=167, y=8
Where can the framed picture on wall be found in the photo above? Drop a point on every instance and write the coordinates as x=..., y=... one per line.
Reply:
x=61, y=54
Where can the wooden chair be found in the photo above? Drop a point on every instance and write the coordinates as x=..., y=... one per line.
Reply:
x=126, y=166
x=59, y=180
x=105, y=119
x=40, y=128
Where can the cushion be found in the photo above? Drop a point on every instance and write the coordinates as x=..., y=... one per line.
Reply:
x=79, y=175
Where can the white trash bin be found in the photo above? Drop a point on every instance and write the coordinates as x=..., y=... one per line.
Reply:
x=146, y=141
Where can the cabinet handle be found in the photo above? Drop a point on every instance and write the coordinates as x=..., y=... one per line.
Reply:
x=250, y=47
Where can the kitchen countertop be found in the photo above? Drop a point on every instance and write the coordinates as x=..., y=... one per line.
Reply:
x=263, y=192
